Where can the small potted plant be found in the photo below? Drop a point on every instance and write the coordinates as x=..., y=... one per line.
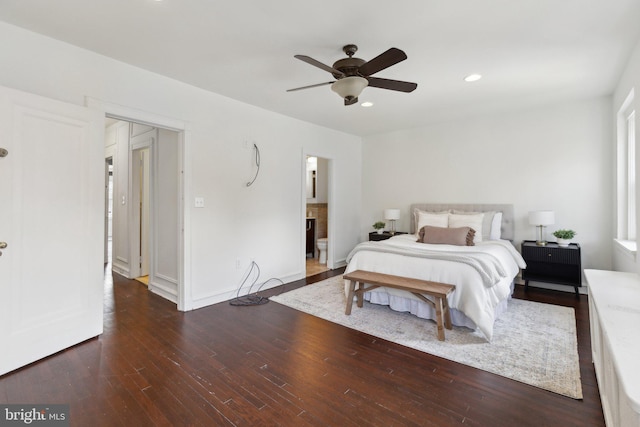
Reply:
x=379, y=226
x=564, y=237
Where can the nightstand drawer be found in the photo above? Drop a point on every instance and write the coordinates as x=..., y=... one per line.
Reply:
x=554, y=255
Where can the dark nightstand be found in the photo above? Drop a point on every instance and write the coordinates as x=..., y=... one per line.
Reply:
x=375, y=237
x=552, y=264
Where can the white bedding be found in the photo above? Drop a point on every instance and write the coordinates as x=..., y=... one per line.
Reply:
x=482, y=286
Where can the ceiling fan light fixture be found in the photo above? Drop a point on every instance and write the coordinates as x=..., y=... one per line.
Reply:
x=349, y=87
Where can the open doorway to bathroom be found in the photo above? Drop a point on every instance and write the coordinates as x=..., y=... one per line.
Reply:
x=317, y=212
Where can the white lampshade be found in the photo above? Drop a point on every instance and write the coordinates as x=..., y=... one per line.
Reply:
x=349, y=87
x=541, y=217
x=392, y=214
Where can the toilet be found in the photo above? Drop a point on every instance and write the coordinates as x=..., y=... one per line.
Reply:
x=322, y=248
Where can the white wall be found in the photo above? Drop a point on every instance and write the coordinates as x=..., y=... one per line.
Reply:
x=264, y=222
x=165, y=236
x=322, y=187
x=558, y=157
x=630, y=79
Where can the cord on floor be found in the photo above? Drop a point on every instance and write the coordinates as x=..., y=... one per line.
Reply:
x=252, y=298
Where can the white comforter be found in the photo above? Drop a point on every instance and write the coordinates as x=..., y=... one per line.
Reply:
x=482, y=273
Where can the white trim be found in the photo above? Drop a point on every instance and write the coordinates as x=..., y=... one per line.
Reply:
x=218, y=297
x=627, y=247
x=125, y=113
x=142, y=144
x=163, y=293
x=303, y=215
x=625, y=167
x=331, y=208
x=185, y=300
x=166, y=278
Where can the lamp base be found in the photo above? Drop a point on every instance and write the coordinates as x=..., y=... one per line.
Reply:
x=541, y=241
x=393, y=226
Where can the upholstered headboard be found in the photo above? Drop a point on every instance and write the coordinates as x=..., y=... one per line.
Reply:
x=508, y=226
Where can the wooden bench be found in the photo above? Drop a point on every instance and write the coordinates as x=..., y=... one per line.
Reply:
x=438, y=291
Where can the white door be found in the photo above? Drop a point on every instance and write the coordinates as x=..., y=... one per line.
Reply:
x=51, y=219
x=140, y=207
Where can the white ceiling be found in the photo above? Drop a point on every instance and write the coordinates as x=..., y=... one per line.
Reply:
x=530, y=52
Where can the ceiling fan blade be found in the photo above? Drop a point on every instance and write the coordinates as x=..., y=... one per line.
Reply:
x=309, y=87
x=318, y=64
x=398, y=85
x=382, y=61
x=350, y=101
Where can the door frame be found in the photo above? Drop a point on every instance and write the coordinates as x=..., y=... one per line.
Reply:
x=108, y=207
x=130, y=114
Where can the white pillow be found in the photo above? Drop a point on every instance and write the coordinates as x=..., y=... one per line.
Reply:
x=434, y=219
x=468, y=220
x=491, y=225
x=496, y=227
x=486, y=222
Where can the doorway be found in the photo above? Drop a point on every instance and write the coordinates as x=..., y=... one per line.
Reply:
x=317, y=247
x=147, y=192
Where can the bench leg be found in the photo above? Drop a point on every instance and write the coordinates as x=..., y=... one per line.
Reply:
x=447, y=315
x=439, y=318
x=352, y=290
x=360, y=294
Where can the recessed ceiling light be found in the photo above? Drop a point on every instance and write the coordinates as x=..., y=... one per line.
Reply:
x=367, y=104
x=472, y=78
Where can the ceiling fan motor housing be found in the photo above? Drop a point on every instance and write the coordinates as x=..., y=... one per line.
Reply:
x=348, y=66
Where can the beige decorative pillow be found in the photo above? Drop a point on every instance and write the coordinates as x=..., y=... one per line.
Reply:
x=461, y=236
x=434, y=219
x=474, y=221
x=486, y=221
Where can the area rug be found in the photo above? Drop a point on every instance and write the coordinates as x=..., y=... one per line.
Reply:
x=532, y=343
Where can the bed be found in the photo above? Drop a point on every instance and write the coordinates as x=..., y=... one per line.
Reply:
x=483, y=273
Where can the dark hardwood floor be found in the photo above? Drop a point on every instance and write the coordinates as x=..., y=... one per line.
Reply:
x=272, y=365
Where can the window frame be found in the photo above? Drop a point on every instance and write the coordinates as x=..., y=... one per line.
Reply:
x=626, y=182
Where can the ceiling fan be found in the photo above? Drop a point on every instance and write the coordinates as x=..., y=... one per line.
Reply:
x=354, y=74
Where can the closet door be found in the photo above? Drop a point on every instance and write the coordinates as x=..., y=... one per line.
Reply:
x=51, y=226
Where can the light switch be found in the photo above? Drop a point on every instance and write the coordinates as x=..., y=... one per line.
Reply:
x=199, y=202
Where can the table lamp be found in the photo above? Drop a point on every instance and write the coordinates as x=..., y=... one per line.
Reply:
x=541, y=219
x=392, y=215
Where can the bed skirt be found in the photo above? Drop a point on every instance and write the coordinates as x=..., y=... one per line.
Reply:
x=426, y=311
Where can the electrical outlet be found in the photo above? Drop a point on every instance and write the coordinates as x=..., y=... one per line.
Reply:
x=199, y=202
